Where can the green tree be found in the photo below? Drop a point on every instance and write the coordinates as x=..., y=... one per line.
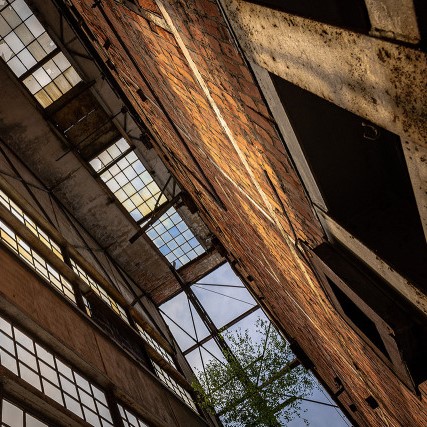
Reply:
x=259, y=384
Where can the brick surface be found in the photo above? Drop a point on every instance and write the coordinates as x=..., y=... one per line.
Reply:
x=259, y=223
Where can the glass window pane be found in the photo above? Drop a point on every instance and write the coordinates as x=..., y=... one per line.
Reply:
x=5, y=51
x=17, y=66
x=33, y=422
x=51, y=68
x=32, y=84
x=73, y=406
x=36, y=50
x=29, y=376
x=22, y=9
x=14, y=42
x=53, y=91
x=24, y=34
x=52, y=391
x=62, y=83
x=11, y=17
x=27, y=59
x=61, y=61
x=34, y=26
x=12, y=415
x=46, y=43
x=8, y=362
x=4, y=27
x=72, y=76
x=42, y=77
x=43, y=98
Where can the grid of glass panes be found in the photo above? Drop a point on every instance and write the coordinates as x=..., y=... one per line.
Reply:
x=129, y=419
x=174, y=386
x=153, y=343
x=24, y=42
x=32, y=258
x=174, y=239
x=46, y=372
x=14, y=416
x=128, y=179
x=30, y=224
x=109, y=155
x=117, y=308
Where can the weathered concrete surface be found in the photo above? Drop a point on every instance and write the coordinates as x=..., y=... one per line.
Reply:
x=197, y=74
x=376, y=79
x=394, y=19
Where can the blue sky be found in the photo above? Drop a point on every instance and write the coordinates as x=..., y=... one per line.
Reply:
x=222, y=310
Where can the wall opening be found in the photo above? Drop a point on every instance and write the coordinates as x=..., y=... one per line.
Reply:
x=361, y=172
x=387, y=323
x=359, y=319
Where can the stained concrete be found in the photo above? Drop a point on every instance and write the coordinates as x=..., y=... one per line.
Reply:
x=376, y=79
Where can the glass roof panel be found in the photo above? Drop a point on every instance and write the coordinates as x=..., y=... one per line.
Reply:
x=18, y=30
x=174, y=239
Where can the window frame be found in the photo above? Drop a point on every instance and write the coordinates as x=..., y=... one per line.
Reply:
x=40, y=352
x=391, y=318
x=57, y=50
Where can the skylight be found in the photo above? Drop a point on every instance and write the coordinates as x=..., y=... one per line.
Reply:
x=174, y=239
x=32, y=55
x=127, y=178
x=125, y=175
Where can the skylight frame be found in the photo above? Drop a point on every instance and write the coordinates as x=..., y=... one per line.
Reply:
x=169, y=233
x=123, y=172
x=174, y=239
x=32, y=55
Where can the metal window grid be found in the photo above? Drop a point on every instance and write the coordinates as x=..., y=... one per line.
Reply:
x=30, y=224
x=174, y=239
x=128, y=179
x=130, y=419
x=117, y=308
x=14, y=416
x=35, y=261
x=174, y=386
x=155, y=345
x=32, y=55
x=107, y=157
x=46, y=372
